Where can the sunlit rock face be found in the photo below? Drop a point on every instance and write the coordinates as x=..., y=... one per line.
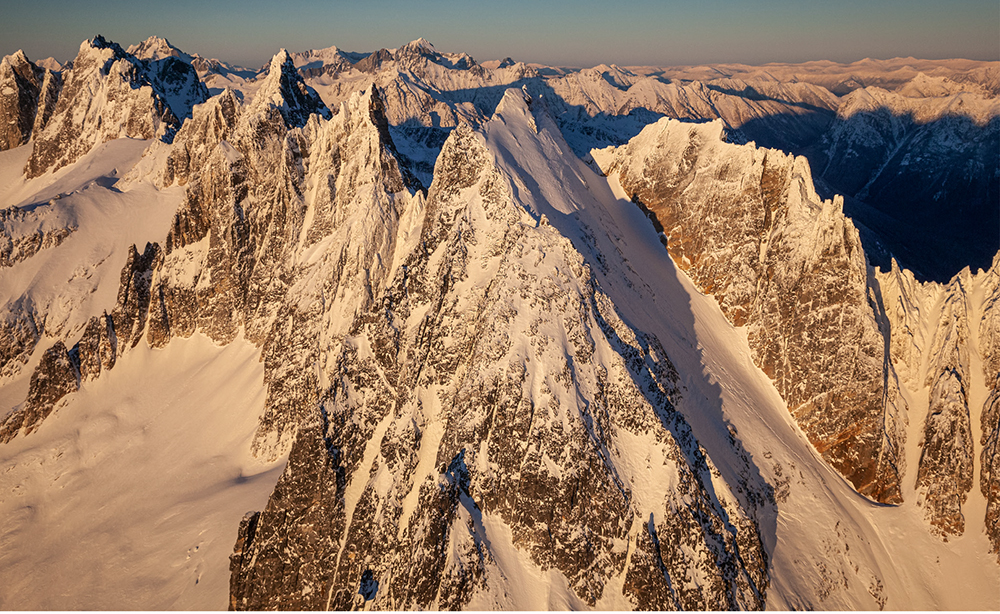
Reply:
x=989, y=348
x=27, y=98
x=747, y=226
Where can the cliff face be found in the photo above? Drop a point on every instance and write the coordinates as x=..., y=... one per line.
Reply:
x=944, y=476
x=989, y=348
x=940, y=334
x=27, y=97
x=747, y=226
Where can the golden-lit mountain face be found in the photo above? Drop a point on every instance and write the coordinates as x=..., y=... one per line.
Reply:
x=489, y=335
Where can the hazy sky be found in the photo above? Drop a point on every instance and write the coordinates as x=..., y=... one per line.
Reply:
x=577, y=33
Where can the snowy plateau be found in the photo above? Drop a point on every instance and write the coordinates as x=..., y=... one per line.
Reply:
x=404, y=330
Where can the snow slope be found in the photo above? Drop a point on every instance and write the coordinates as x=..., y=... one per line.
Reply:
x=130, y=495
x=62, y=287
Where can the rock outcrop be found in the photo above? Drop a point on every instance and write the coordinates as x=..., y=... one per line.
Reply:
x=104, y=339
x=944, y=475
x=27, y=98
x=748, y=227
x=56, y=376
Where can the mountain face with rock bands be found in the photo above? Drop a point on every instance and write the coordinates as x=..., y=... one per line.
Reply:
x=488, y=383
x=748, y=227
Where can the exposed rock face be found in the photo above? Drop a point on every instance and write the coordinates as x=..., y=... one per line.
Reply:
x=97, y=350
x=285, y=90
x=18, y=335
x=933, y=347
x=177, y=81
x=24, y=234
x=944, y=476
x=989, y=348
x=129, y=315
x=56, y=376
x=106, y=95
x=492, y=387
x=48, y=95
x=747, y=226
x=27, y=96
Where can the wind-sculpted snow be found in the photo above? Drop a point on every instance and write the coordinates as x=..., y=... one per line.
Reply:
x=109, y=94
x=491, y=389
x=747, y=226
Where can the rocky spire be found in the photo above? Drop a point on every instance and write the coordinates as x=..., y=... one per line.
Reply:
x=284, y=89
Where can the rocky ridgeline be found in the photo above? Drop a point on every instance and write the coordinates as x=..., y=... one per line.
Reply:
x=108, y=94
x=491, y=381
x=28, y=95
x=747, y=226
x=935, y=338
x=284, y=233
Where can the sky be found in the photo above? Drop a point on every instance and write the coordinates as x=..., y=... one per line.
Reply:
x=560, y=33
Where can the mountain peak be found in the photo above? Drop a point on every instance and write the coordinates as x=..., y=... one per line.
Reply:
x=155, y=48
x=18, y=58
x=284, y=88
x=280, y=59
x=419, y=46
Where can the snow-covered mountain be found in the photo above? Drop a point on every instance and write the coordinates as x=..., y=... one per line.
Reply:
x=109, y=94
x=452, y=364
